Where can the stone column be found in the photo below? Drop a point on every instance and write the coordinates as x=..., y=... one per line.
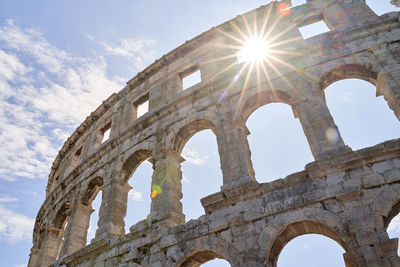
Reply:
x=166, y=206
x=112, y=212
x=388, y=85
x=50, y=248
x=388, y=80
x=33, y=257
x=319, y=127
x=379, y=253
x=341, y=13
x=76, y=232
x=373, y=245
x=395, y=2
x=235, y=155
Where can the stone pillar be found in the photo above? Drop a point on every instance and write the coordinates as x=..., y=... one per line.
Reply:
x=76, y=232
x=395, y=2
x=382, y=253
x=166, y=206
x=50, y=248
x=112, y=212
x=388, y=80
x=235, y=155
x=319, y=127
x=388, y=85
x=342, y=13
x=33, y=257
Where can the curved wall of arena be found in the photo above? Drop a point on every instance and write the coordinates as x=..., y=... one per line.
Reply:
x=247, y=223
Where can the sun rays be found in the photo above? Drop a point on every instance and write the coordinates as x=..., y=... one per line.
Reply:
x=258, y=47
x=254, y=51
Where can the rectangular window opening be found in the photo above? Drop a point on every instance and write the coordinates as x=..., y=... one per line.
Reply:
x=314, y=29
x=191, y=78
x=76, y=158
x=143, y=108
x=78, y=153
x=106, y=132
x=298, y=2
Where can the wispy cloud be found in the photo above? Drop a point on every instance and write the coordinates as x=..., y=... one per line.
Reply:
x=45, y=93
x=15, y=227
x=186, y=180
x=135, y=195
x=8, y=199
x=346, y=97
x=194, y=157
x=139, y=50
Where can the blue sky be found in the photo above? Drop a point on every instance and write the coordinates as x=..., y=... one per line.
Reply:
x=60, y=59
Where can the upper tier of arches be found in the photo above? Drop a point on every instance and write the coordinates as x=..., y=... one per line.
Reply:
x=222, y=102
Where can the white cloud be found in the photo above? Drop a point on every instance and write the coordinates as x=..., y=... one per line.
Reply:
x=138, y=50
x=8, y=199
x=15, y=227
x=41, y=106
x=10, y=66
x=135, y=195
x=194, y=157
x=346, y=97
x=186, y=180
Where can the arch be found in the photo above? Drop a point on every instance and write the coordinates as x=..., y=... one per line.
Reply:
x=350, y=101
x=387, y=203
x=348, y=71
x=91, y=190
x=186, y=132
x=132, y=163
x=312, y=250
x=273, y=134
x=61, y=216
x=206, y=248
x=261, y=98
x=199, y=258
x=296, y=229
x=202, y=166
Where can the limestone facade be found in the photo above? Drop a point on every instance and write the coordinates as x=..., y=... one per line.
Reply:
x=348, y=196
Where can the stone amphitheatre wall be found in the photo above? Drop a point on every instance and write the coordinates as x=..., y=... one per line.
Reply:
x=348, y=196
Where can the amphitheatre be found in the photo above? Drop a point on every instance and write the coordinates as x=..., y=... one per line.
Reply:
x=348, y=196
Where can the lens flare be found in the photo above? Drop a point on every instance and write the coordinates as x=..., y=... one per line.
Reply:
x=332, y=135
x=284, y=9
x=255, y=50
x=155, y=191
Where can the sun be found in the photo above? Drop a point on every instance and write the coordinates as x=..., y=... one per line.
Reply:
x=254, y=51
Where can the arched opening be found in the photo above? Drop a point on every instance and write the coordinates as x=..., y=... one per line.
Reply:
x=381, y=7
x=137, y=172
x=216, y=263
x=60, y=224
x=139, y=200
x=305, y=228
x=94, y=217
x=88, y=217
x=311, y=250
x=392, y=222
x=92, y=199
x=277, y=142
x=363, y=119
x=201, y=172
x=205, y=259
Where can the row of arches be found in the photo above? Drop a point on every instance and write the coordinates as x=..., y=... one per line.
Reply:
x=137, y=158
x=308, y=242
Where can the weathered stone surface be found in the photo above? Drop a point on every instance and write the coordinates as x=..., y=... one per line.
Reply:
x=348, y=196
